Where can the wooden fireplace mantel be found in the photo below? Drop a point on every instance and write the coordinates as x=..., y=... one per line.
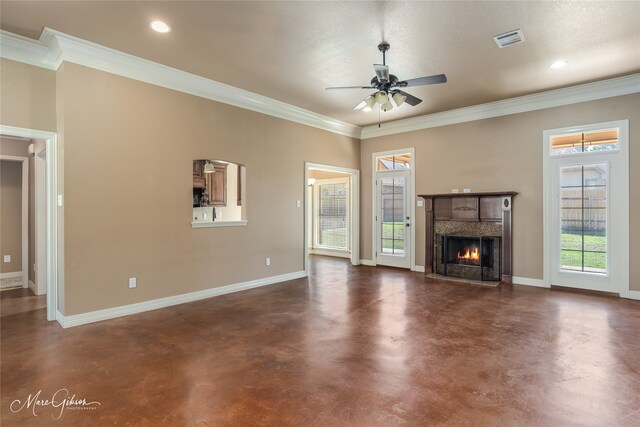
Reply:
x=490, y=206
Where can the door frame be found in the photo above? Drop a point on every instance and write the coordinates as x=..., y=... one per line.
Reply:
x=622, y=218
x=354, y=209
x=54, y=200
x=24, y=213
x=40, y=215
x=411, y=195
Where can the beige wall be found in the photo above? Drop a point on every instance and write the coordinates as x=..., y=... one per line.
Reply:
x=503, y=153
x=28, y=96
x=128, y=149
x=10, y=215
x=125, y=152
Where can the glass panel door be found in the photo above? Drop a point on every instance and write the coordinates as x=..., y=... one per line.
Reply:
x=586, y=214
x=393, y=222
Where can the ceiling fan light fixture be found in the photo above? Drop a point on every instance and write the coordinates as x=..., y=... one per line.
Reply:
x=367, y=109
x=370, y=101
x=387, y=107
x=398, y=98
x=382, y=97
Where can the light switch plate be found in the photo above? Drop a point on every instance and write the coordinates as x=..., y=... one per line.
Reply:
x=132, y=282
x=420, y=203
x=7, y=258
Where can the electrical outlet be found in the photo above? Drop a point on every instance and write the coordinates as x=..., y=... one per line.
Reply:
x=467, y=190
x=297, y=203
x=133, y=282
x=7, y=258
x=267, y=261
x=454, y=190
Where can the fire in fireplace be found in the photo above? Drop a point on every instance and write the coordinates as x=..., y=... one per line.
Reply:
x=470, y=256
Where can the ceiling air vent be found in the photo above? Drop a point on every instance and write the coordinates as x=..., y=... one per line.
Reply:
x=509, y=38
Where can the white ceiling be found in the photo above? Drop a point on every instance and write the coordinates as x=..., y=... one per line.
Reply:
x=291, y=51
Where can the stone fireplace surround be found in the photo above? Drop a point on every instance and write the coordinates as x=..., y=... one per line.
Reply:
x=473, y=215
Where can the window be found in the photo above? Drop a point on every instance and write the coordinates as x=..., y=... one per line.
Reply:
x=397, y=162
x=393, y=210
x=583, y=217
x=332, y=220
x=585, y=142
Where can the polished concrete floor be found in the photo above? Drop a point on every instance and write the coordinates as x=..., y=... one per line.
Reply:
x=349, y=346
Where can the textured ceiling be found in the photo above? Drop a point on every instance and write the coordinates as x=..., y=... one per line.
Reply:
x=291, y=51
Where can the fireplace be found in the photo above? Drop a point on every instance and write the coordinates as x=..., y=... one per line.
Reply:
x=469, y=235
x=470, y=257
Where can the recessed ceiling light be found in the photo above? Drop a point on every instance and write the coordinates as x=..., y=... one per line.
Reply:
x=160, y=27
x=558, y=64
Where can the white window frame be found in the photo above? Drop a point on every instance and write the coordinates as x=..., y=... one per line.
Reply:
x=617, y=159
x=316, y=213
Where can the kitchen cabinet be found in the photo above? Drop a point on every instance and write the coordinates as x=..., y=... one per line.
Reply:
x=216, y=185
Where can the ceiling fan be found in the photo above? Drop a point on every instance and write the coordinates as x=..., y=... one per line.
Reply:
x=388, y=86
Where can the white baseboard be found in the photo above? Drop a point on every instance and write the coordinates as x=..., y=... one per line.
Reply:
x=418, y=268
x=37, y=289
x=634, y=295
x=11, y=275
x=329, y=252
x=60, y=318
x=368, y=262
x=538, y=283
x=125, y=310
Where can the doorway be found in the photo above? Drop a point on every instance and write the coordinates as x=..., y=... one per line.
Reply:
x=15, y=213
x=586, y=217
x=393, y=211
x=46, y=202
x=332, y=223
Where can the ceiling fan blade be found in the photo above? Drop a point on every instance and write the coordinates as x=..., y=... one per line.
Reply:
x=361, y=105
x=382, y=71
x=349, y=87
x=429, y=80
x=411, y=100
x=367, y=102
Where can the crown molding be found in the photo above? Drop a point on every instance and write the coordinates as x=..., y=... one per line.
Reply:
x=554, y=98
x=26, y=50
x=55, y=47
